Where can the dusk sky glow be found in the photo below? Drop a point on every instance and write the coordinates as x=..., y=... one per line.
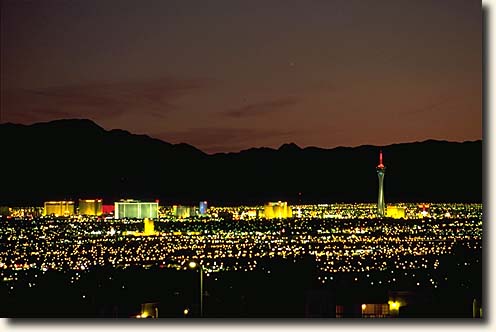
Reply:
x=230, y=75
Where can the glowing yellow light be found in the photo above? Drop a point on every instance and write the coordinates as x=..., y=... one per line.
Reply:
x=186, y=311
x=149, y=228
x=364, y=306
x=192, y=265
x=393, y=305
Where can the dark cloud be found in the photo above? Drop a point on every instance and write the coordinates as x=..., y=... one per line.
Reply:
x=262, y=108
x=96, y=101
x=212, y=140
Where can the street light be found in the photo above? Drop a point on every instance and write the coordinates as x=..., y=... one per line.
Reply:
x=193, y=265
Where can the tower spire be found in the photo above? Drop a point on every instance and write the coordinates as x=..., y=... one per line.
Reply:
x=381, y=170
x=380, y=159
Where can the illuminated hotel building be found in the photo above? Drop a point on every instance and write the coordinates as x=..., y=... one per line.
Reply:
x=108, y=208
x=203, y=208
x=181, y=211
x=59, y=208
x=149, y=227
x=22, y=212
x=277, y=210
x=135, y=209
x=396, y=212
x=149, y=310
x=90, y=207
x=381, y=170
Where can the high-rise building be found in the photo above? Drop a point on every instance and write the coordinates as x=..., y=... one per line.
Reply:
x=135, y=209
x=181, y=211
x=59, y=208
x=203, y=208
x=90, y=207
x=149, y=227
x=381, y=170
x=149, y=310
x=396, y=212
x=27, y=211
x=108, y=208
x=277, y=210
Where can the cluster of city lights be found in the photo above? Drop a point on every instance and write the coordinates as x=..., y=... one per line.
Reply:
x=357, y=245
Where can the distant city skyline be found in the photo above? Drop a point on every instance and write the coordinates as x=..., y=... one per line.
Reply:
x=227, y=76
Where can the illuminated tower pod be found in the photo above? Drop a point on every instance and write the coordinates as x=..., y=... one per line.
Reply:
x=381, y=170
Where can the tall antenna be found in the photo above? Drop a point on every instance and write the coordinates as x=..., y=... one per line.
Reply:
x=381, y=170
x=380, y=159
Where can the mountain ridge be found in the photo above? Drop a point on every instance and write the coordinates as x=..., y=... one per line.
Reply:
x=289, y=145
x=76, y=158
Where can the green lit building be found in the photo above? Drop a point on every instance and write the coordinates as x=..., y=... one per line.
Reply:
x=133, y=209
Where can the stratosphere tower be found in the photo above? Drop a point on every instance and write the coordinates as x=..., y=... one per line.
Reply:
x=381, y=170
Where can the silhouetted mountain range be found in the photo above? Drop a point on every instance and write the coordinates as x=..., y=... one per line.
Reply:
x=71, y=159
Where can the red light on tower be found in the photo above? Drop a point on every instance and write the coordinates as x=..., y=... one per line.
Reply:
x=381, y=165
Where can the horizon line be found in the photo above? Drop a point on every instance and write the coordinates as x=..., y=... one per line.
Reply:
x=244, y=149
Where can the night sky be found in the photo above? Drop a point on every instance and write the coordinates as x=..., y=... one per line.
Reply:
x=230, y=75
